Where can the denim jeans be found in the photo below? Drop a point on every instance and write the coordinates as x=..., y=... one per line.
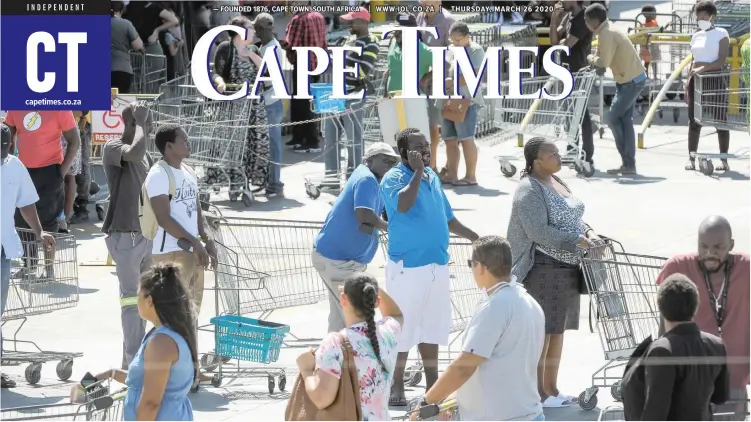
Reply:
x=351, y=126
x=5, y=278
x=275, y=112
x=620, y=119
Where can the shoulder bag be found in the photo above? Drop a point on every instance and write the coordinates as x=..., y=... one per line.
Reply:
x=456, y=109
x=346, y=406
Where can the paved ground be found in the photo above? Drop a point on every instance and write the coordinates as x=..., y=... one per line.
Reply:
x=656, y=213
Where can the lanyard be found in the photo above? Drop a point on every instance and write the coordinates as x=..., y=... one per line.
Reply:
x=720, y=307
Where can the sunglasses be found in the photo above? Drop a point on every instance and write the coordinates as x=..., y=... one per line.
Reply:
x=471, y=263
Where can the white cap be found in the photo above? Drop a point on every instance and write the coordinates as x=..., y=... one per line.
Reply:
x=380, y=148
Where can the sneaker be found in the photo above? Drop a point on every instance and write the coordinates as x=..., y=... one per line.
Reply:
x=79, y=216
x=306, y=149
x=622, y=170
x=293, y=143
x=6, y=382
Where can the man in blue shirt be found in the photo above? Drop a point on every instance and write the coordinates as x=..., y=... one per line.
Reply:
x=349, y=237
x=420, y=219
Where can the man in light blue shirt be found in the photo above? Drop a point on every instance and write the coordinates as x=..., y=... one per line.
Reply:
x=17, y=192
x=420, y=219
x=349, y=237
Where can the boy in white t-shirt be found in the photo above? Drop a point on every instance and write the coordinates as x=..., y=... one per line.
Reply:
x=179, y=216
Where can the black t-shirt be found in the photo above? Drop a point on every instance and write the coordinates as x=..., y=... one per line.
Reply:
x=577, y=59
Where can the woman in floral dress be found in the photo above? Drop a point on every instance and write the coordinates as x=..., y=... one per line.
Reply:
x=236, y=62
x=373, y=345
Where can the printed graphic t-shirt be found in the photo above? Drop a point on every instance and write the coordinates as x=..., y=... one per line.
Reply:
x=375, y=383
x=183, y=206
x=39, y=135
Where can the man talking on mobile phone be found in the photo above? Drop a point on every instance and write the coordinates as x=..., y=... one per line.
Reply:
x=349, y=237
x=417, y=274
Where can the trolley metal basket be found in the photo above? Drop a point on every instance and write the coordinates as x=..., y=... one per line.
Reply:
x=555, y=120
x=623, y=294
x=445, y=411
x=149, y=72
x=41, y=282
x=107, y=407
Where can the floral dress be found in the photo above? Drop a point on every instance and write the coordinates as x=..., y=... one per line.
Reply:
x=375, y=383
x=256, y=154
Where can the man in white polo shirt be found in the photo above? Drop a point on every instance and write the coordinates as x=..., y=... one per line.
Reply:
x=495, y=376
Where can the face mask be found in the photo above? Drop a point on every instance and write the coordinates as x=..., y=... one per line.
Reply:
x=704, y=25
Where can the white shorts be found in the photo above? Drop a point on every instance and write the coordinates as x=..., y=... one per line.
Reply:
x=423, y=295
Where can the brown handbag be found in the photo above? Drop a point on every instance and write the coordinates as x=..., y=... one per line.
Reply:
x=346, y=406
x=456, y=110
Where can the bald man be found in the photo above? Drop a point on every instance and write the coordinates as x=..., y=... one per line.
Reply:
x=722, y=278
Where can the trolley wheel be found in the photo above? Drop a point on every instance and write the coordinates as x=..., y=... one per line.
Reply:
x=508, y=169
x=676, y=114
x=33, y=373
x=414, y=379
x=272, y=384
x=312, y=191
x=585, y=169
x=100, y=213
x=659, y=113
x=616, y=391
x=247, y=198
x=209, y=362
x=602, y=131
x=282, y=381
x=587, y=404
x=216, y=381
x=233, y=196
x=670, y=96
x=707, y=168
x=64, y=370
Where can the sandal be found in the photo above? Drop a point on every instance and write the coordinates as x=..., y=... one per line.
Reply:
x=723, y=166
x=691, y=165
x=552, y=402
x=397, y=401
x=465, y=182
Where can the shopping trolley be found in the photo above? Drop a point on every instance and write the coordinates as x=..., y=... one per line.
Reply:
x=622, y=300
x=217, y=131
x=41, y=282
x=448, y=410
x=668, y=51
x=99, y=405
x=464, y=299
x=616, y=413
x=340, y=117
x=721, y=101
x=149, y=72
x=554, y=120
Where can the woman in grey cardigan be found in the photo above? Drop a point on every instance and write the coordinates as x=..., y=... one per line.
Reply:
x=545, y=230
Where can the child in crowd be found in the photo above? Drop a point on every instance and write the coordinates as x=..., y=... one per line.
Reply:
x=650, y=54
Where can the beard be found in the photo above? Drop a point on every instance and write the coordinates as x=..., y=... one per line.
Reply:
x=712, y=265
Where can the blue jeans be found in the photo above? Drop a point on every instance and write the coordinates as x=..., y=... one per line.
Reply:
x=620, y=119
x=351, y=125
x=275, y=112
x=5, y=278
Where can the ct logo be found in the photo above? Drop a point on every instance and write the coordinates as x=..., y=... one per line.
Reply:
x=32, y=121
x=47, y=41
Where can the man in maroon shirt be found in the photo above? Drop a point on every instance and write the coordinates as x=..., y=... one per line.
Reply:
x=305, y=29
x=722, y=278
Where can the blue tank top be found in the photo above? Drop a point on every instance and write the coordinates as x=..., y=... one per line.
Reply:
x=175, y=404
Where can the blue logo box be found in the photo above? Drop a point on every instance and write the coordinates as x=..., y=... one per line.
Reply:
x=31, y=61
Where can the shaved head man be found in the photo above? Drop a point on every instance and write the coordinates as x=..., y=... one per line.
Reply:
x=721, y=276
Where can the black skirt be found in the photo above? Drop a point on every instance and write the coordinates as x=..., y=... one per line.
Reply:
x=554, y=285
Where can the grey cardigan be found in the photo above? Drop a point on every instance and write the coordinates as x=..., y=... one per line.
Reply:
x=529, y=226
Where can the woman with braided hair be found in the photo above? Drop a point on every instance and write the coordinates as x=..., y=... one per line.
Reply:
x=373, y=344
x=166, y=366
x=545, y=230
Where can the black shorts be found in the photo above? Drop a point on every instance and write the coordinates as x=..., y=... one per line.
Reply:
x=49, y=184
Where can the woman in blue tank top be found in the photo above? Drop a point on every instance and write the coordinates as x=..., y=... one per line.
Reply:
x=162, y=372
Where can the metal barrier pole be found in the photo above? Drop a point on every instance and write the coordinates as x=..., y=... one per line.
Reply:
x=656, y=104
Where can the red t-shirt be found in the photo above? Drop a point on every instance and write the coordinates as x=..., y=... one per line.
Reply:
x=39, y=134
x=735, y=326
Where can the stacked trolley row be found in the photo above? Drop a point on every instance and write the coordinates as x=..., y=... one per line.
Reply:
x=554, y=120
x=217, y=131
x=41, y=282
x=264, y=265
x=149, y=72
x=623, y=295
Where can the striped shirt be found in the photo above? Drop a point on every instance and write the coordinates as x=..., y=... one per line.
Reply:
x=365, y=61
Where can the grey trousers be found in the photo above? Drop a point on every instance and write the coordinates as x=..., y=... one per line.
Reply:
x=734, y=409
x=132, y=255
x=334, y=273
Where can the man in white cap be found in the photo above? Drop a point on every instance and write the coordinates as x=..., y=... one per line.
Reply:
x=349, y=237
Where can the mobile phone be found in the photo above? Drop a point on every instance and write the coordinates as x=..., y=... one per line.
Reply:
x=88, y=379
